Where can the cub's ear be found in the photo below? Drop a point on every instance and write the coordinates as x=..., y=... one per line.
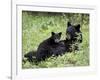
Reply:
x=77, y=27
x=60, y=33
x=68, y=24
x=52, y=33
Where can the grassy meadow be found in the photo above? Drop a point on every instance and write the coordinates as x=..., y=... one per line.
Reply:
x=37, y=26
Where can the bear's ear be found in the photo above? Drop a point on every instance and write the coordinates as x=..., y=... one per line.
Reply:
x=52, y=33
x=68, y=24
x=60, y=33
x=77, y=27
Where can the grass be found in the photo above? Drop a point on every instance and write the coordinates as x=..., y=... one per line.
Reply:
x=37, y=26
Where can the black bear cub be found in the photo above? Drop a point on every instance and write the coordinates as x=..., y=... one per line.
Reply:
x=50, y=46
x=74, y=35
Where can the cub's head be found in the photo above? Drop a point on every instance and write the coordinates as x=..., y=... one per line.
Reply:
x=56, y=37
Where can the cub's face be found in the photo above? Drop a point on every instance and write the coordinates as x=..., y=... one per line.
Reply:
x=56, y=37
x=73, y=32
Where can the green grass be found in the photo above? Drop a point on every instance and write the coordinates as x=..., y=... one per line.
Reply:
x=37, y=26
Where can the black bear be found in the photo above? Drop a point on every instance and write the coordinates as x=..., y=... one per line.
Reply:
x=50, y=46
x=74, y=36
x=73, y=32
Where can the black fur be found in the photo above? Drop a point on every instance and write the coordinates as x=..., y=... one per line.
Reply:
x=73, y=32
x=74, y=35
x=50, y=46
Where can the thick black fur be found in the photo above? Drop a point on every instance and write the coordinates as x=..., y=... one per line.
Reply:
x=50, y=46
x=74, y=35
x=73, y=32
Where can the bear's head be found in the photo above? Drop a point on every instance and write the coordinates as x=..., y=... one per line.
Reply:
x=56, y=37
x=73, y=32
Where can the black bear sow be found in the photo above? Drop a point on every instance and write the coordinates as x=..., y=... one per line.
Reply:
x=74, y=37
x=48, y=47
x=74, y=33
